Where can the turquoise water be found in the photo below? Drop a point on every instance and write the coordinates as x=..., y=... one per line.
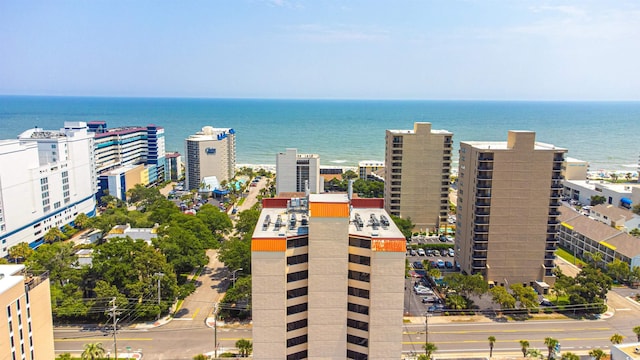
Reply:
x=344, y=132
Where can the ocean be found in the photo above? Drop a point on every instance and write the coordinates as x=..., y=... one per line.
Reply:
x=344, y=132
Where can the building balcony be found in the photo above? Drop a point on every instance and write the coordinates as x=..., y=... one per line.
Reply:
x=477, y=256
x=481, y=229
x=552, y=230
x=482, y=239
x=483, y=203
x=549, y=264
x=483, y=194
x=549, y=256
x=484, y=167
x=480, y=247
x=553, y=222
x=554, y=212
x=481, y=212
x=550, y=247
x=479, y=222
x=479, y=264
x=555, y=203
x=483, y=185
x=484, y=177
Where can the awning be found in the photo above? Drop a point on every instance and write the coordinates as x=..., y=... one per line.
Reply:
x=625, y=201
x=220, y=192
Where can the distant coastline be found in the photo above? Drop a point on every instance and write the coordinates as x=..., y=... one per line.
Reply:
x=344, y=132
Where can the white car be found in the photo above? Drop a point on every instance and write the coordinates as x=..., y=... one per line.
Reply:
x=423, y=290
x=421, y=252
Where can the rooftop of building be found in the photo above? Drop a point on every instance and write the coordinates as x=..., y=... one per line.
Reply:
x=10, y=276
x=172, y=155
x=632, y=351
x=211, y=133
x=367, y=163
x=612, y=212
x=620, y=241
x=624, y=188
x=285, y=217
x=503, y=145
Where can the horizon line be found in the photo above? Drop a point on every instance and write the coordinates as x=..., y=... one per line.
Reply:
x=315, y=99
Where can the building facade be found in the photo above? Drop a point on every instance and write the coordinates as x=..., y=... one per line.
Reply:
x=54, y=182
x=210, y=152
x=118, y=181
x=132, y=145
x=507, y=212
x=26, y=326
x=173, y=166
x=294, y=171
x=417, y=174
x=330, y=284
x=371, y=170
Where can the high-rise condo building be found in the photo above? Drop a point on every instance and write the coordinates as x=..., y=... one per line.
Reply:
x=130, y=145
x=417, y=174
x=294, y=170
x=26, y=327
x=329, y=279
x=48, y=177
x=507, y=214
x=210, y=152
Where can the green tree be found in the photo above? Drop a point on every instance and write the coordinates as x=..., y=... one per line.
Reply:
x=618, y=270
x=54, y=234
x=636, y=209
x=594, y=258
x=245, y=347
x=635, y=232
x=405, y=225
x=236, y=254
x=81, y=221
x=597, y=200
x=534, y=353
x=247, y=221
x=590, y=289
x=456, y=302
x=636, y=330
x=524, y=347
x=525, y=295
x=64, y=356
x=58, y=259
x=200, y=357
x=492, y=342
x=616, y=339
x=429, y=348
x=182, y=249
x=217, y=221
x=570, y=356
x=92, y=351
x=501, y=296
x=20, y=251
x=597, y=354
x=467, y=285
x=551, y=344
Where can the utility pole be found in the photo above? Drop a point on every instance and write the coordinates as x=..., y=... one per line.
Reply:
x=159, y=275
x=115, y=323
x=426, y=333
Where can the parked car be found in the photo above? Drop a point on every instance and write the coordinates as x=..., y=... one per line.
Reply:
x=440, y=264
x=448, y=264
x=433, y=264
x=429, y=252
x=421, y=252
x=423, y=290
x=442, y=238
x=413, y=252
x=452, y=252
x=546, y=302
x=417, y=265
x=435, y=308
x=429, y=299
x=444, y=252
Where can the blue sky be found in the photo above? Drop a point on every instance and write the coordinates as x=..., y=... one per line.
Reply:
x=445, y=49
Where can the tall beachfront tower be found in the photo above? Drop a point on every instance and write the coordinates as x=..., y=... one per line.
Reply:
x=294, y=170
x=417, y=174
x=507, y=215
x=210, y=152
x=328, y=280
x=26, y=326
x=48, y=177
x=130, y=145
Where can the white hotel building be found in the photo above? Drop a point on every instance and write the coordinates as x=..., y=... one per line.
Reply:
x=48, y=177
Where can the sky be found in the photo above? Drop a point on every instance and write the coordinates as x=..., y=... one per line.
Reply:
x=323, y=49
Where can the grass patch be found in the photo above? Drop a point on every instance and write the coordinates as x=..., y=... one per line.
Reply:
x=569, y=257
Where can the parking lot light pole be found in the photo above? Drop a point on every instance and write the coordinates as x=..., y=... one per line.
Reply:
x=426, y=332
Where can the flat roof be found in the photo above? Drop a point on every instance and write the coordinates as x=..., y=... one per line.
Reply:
x=502, y=145
x=8, y=277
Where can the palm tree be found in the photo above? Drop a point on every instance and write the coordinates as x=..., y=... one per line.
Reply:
x=492, y=341
x=534, y=353
x=597, y=354
x=616, y=338
x=92, y=351
x=570, y=356
x=20, y=251
x=551, y=344
x=636, y=330
x=524, y=346
x=429, y=349
x=245, y=347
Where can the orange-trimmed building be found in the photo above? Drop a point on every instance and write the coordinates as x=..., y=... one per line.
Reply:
x=327, y=280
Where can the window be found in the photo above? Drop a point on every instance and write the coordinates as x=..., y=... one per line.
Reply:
x=360, y=276
x=360, y=325
x=297, y=259
x=356, y=355
x=296, y=243
x=298, y=356
x=295, y=309
x=297, y=276
x=361, y=243
x=291, y=294
x=358, y=259
x=358, y=292
x=360, y=309
x=295, y=325
x=297, y=341
x=357, y=340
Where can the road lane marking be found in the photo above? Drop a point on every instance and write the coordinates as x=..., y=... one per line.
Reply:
x=195, y=313
x=101, y=339
x=505, y=331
